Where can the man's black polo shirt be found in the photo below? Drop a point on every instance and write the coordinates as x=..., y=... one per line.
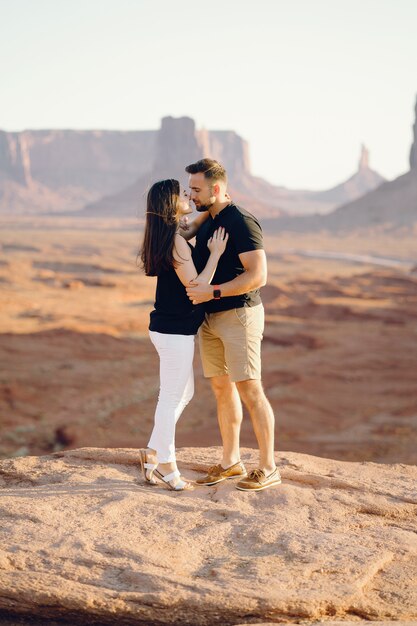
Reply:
x=245, y=235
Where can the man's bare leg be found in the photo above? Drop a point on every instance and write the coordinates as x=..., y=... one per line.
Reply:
x=262, y=416
x=229, y=415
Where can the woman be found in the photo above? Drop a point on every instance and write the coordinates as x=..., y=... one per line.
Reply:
x=174, y=321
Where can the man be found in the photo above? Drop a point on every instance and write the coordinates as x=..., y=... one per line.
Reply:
x=230, y=338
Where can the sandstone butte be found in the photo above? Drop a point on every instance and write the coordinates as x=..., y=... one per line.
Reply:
x=83, y=539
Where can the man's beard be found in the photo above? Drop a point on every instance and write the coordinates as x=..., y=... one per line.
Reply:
x=205, y=207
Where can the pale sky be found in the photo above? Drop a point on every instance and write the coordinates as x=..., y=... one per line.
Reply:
x=305, y=82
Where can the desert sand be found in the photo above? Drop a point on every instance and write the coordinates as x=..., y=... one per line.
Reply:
x=78, y=369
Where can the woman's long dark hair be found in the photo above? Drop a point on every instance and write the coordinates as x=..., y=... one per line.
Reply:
x=160, y=227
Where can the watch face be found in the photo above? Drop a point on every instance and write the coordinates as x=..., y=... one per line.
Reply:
x=216, y=294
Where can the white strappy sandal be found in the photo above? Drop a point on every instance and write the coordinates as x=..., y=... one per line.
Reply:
x=146, y=466
x=180, y=485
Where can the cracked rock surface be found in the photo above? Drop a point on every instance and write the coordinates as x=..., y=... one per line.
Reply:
x=83, y=538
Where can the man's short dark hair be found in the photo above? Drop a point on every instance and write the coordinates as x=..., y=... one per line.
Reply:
x=212, y=170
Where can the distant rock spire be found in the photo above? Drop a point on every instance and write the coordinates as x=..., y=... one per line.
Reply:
x=413, y=152
x=364, y=159
x=176, y=147
x=203, y=139
x=15, y=158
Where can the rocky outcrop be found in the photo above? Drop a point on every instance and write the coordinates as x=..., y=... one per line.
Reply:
x=364, y=159
x=14, y=158
x=393, y=204
x=97, y=161
x=58, y=170
x=108, y=172
x=20, y=191
x=364, y=180
x=232, y=150
x=413, y=151
x=83, y=538
x=178, y=144
x=178, y=140
x=360, y=183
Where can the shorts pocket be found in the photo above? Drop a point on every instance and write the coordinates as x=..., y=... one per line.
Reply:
x=242, y=316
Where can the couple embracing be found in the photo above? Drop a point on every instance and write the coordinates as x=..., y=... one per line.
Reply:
x=211, y=289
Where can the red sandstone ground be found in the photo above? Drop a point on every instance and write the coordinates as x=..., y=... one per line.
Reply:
x=77, y=368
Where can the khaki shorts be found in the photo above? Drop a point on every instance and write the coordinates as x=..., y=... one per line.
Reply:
x=230, y=343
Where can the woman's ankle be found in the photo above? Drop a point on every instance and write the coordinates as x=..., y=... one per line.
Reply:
x=167, y=468
x=152, y=454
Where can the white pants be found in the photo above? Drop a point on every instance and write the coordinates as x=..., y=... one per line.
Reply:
x=176, y=389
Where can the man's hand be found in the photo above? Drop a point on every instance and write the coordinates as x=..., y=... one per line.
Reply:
x=199, y=292
x=183, y=223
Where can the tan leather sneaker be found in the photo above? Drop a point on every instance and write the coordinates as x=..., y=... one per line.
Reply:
x=256, y=480
x=216, y=473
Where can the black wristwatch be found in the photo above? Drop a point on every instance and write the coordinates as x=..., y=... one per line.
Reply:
x=217, y=294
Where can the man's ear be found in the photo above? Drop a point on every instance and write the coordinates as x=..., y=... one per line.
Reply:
x=216, y=189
